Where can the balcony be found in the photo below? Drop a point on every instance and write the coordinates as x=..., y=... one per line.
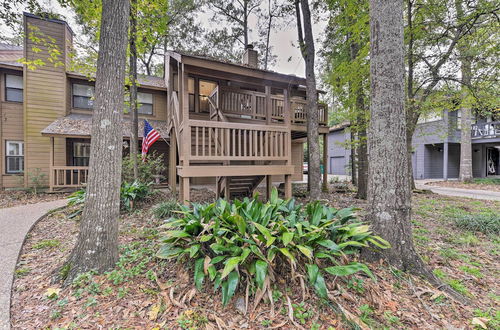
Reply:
x=252, y=105
x=485, y=130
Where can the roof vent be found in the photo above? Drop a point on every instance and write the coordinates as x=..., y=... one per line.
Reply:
x=250, y=57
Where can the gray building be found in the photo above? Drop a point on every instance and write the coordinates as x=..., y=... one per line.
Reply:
x=436, y=148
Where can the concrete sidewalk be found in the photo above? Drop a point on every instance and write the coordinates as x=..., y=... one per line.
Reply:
x=15, y=222
x=458, y=192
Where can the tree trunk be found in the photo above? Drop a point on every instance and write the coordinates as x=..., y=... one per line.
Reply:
x=389, y=195
x=465, y=172
x=245, y=23
x=362, y=149
x=362, y=163
x=410, y=108
x=97, y=244
x=268, y=34
x=306, y=42
x=354, y=151
x=134, y=141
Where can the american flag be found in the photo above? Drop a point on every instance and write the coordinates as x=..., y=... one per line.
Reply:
x=150, y=136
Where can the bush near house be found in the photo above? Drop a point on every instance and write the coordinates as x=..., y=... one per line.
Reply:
x=151, y=168
x=130, y=193
x=251, y=243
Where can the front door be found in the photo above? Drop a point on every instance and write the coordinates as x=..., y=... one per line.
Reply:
x=492, y=161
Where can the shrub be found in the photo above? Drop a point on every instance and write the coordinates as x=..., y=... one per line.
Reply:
x=132, y=192
x=165, y=209
x=488, y=223
x=255, y=242
x=78, y=197
x=129, y=194
x=37, y=179
x=153, y=166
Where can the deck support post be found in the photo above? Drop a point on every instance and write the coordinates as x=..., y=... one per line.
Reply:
x=172, y=162
x=185, y=189
x=51, y=166
x=325, y=161
x=269, y=113
x=445, y=161
x=269, y=186
x=227, y=188
x=288, y=186
x=217, y=188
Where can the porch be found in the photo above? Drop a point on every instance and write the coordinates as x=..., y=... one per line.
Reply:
x=235, y=124
x=69, y=149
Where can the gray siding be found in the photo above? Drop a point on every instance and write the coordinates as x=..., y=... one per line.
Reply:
x=428, y=147
x=338, y=153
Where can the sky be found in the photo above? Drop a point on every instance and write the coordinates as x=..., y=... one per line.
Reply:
x=284, y=41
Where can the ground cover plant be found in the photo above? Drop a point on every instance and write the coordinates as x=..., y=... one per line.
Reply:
x=146, y=292
x=130, y=193
x=250, y=243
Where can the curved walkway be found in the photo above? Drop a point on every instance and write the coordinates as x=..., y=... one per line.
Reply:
x=15, y=222
x=458, y=192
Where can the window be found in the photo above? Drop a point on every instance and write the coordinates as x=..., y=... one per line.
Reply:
x=13, y=88
x=14, y=157
x=191, y=94
x=81, y=153
x=83, y=96
x=145, y=101
x=206, y=89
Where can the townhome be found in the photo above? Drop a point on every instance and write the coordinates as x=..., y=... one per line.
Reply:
x=436, y=147
x=231, y=125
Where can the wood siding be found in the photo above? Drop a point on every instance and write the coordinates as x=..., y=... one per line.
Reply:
x=44, y=97
x=159, y=101
x=11, y=129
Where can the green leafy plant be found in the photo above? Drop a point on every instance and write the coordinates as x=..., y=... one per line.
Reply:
x=132, y=192
x=488, y=223
x=165, y=209
x=47, y=244
x=37, y=179
x=301, y=313
x=255, y=242
x=78, y=197
x=150, y=169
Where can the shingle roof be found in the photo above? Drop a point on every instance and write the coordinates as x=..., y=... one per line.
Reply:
x=81, y=125
x=144, y=81
x=9, y=54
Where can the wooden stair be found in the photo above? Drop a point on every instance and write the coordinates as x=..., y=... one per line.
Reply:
x=239, y=186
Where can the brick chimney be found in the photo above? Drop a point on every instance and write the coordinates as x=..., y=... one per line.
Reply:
x=250, y=57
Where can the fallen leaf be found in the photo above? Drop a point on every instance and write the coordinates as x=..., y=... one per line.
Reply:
x=52, y=293
x=480, y=321
x=153, y=312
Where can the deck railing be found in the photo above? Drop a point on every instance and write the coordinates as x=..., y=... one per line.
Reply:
x=233, y=141
x=69, y=176
x=253, y=105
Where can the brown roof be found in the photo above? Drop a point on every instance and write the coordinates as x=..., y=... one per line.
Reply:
x=241, y=65
x=10, y=54
x=144, y=81
x=80, y=125
x=340, y=126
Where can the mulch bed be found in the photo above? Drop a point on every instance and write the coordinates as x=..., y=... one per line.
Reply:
x=461, y=185
x=10, y=198
x=168, y=299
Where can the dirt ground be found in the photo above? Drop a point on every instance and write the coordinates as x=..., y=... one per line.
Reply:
x=143, y=292
x=10, y=198
x=476, y=185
